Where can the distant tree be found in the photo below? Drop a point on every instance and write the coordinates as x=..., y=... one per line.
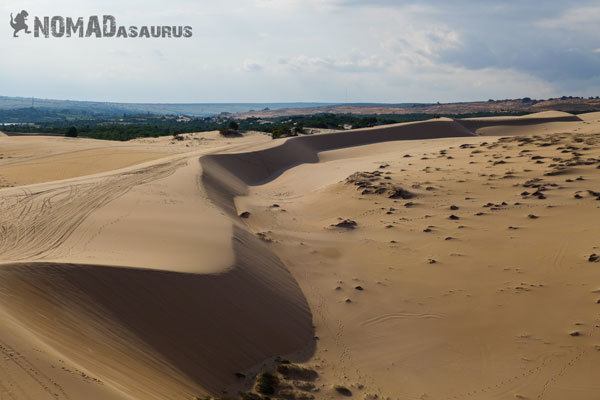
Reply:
x=298, y=129
x=233, y=125
x=230, y=130
x=281, y=131
x=72, y=132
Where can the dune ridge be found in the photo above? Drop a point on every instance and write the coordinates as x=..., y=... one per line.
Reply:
x=192, y=331
x=516, y=125
x=480, y=286
x=236, y=170
x=143, y=333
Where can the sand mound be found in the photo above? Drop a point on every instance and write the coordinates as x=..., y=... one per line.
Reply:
x=26, y=160
x=590, y=117
x=531, y=124
x=96, y=289
x=161, y=334
x=549, y=114
x=250, y=168
x=493, y=126
x=543, y=115
x=461, y=294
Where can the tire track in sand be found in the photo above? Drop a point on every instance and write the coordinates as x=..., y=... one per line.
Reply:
x=32, y=224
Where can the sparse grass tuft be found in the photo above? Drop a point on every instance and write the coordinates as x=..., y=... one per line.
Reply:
x=266, y=383
x=296, y=372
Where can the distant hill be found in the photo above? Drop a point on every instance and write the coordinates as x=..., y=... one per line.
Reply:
x=112, y=109
x=490, y=107
x=20, y=110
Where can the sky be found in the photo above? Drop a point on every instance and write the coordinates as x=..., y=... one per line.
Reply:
x=392, y=51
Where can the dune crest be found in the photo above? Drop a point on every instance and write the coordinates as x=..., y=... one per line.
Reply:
x=147, y=332
x=158, y=334
x=520, y=125
x=254, y=167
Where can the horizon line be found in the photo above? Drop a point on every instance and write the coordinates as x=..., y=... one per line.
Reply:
x=319, y=102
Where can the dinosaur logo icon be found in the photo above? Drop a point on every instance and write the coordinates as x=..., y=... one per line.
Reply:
x=18, y=22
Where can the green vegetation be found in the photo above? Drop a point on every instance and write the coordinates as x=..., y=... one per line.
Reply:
x=281, y=130
x=233, y=125
x=42, y=115
x=72, y=132
x=230, y=129
x=122, y=128
x=126, y=127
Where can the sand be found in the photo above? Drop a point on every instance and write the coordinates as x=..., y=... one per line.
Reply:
x=435, y=260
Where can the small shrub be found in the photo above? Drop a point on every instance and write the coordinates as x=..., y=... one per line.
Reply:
x=281, y=131
x=226, y=132
x=298, y=129
x=72, y=132
x=297, y=372
x=266, y=383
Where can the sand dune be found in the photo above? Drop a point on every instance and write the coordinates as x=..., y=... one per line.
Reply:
x=483, y=306
x=542, y=115
x=420, y=260
x=542, y=122
x=169, y=331
x=162, y=334
x=409, y=357
x=30, y=159
x=252, y=167
x=590, y=117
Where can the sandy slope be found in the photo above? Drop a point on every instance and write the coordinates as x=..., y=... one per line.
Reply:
x=27, y=160
x=542, y=122
x=135, y=278
x=590, y=117
x=215, y=302
x=478, y=307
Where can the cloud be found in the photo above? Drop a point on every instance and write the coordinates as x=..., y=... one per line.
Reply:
x=351, y=64
x=583, y=19
x=315, y=50
x=251, y=66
